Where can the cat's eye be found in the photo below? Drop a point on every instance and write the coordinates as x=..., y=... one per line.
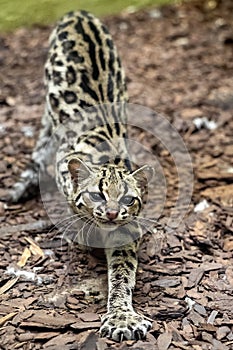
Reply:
x=96, y=196
x=127, y=200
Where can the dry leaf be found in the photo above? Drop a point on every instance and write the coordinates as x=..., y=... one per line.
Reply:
x=24, y=258
x=34, y=248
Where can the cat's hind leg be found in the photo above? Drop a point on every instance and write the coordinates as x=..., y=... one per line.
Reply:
x=28, y=184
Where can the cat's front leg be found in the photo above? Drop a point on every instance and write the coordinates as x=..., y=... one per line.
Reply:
x=121, y=321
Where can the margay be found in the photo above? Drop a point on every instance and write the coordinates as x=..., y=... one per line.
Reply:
x=86, y=110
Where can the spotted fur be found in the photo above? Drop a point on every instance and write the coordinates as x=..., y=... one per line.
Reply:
x=86, y=114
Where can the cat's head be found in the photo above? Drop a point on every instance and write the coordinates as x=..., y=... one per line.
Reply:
x=110, y=194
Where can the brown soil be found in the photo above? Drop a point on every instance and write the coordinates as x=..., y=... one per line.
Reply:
x=180, y=65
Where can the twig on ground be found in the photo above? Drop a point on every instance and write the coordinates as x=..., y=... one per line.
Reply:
x=31, y=226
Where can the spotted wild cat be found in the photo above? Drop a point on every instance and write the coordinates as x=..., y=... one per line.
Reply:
x=86, y=111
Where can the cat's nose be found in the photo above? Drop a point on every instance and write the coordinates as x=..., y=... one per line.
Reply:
x=111, y=213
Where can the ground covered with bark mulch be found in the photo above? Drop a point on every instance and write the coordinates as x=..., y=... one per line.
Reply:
x=179, y=62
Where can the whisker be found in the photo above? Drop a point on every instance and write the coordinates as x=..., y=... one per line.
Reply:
x=89, y=232
x=147, y=219
x=67, y=229
x=58, y=223
x=147, y=223
x=81, y=231
x=69, y=224
x=58, y=201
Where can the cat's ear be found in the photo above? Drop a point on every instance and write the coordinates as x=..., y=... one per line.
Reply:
x=143, y=175
x=78, y=169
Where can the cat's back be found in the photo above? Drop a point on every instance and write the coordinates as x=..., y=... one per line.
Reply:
x=83, y=68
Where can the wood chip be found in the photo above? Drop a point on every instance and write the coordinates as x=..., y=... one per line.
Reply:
x=8, y=285
x=164, y=341
x=166, y=282
x=228, y=244
x=86, y=325
x=222, y=332
x=212, y=317
x=195, y=277
x=200, y=309
x=6, y=318
x=61, y=341
x=46, y=320
x=41, y=336
x=89, y=317
x=101, y=344
x=88, y=341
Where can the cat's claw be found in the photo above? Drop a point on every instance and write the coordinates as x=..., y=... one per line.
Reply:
x=124, y=326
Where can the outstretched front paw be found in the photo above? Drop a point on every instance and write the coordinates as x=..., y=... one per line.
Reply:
x=122, y=325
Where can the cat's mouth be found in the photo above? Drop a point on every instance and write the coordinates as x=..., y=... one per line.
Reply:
x=108, y=222
x=111, y=224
